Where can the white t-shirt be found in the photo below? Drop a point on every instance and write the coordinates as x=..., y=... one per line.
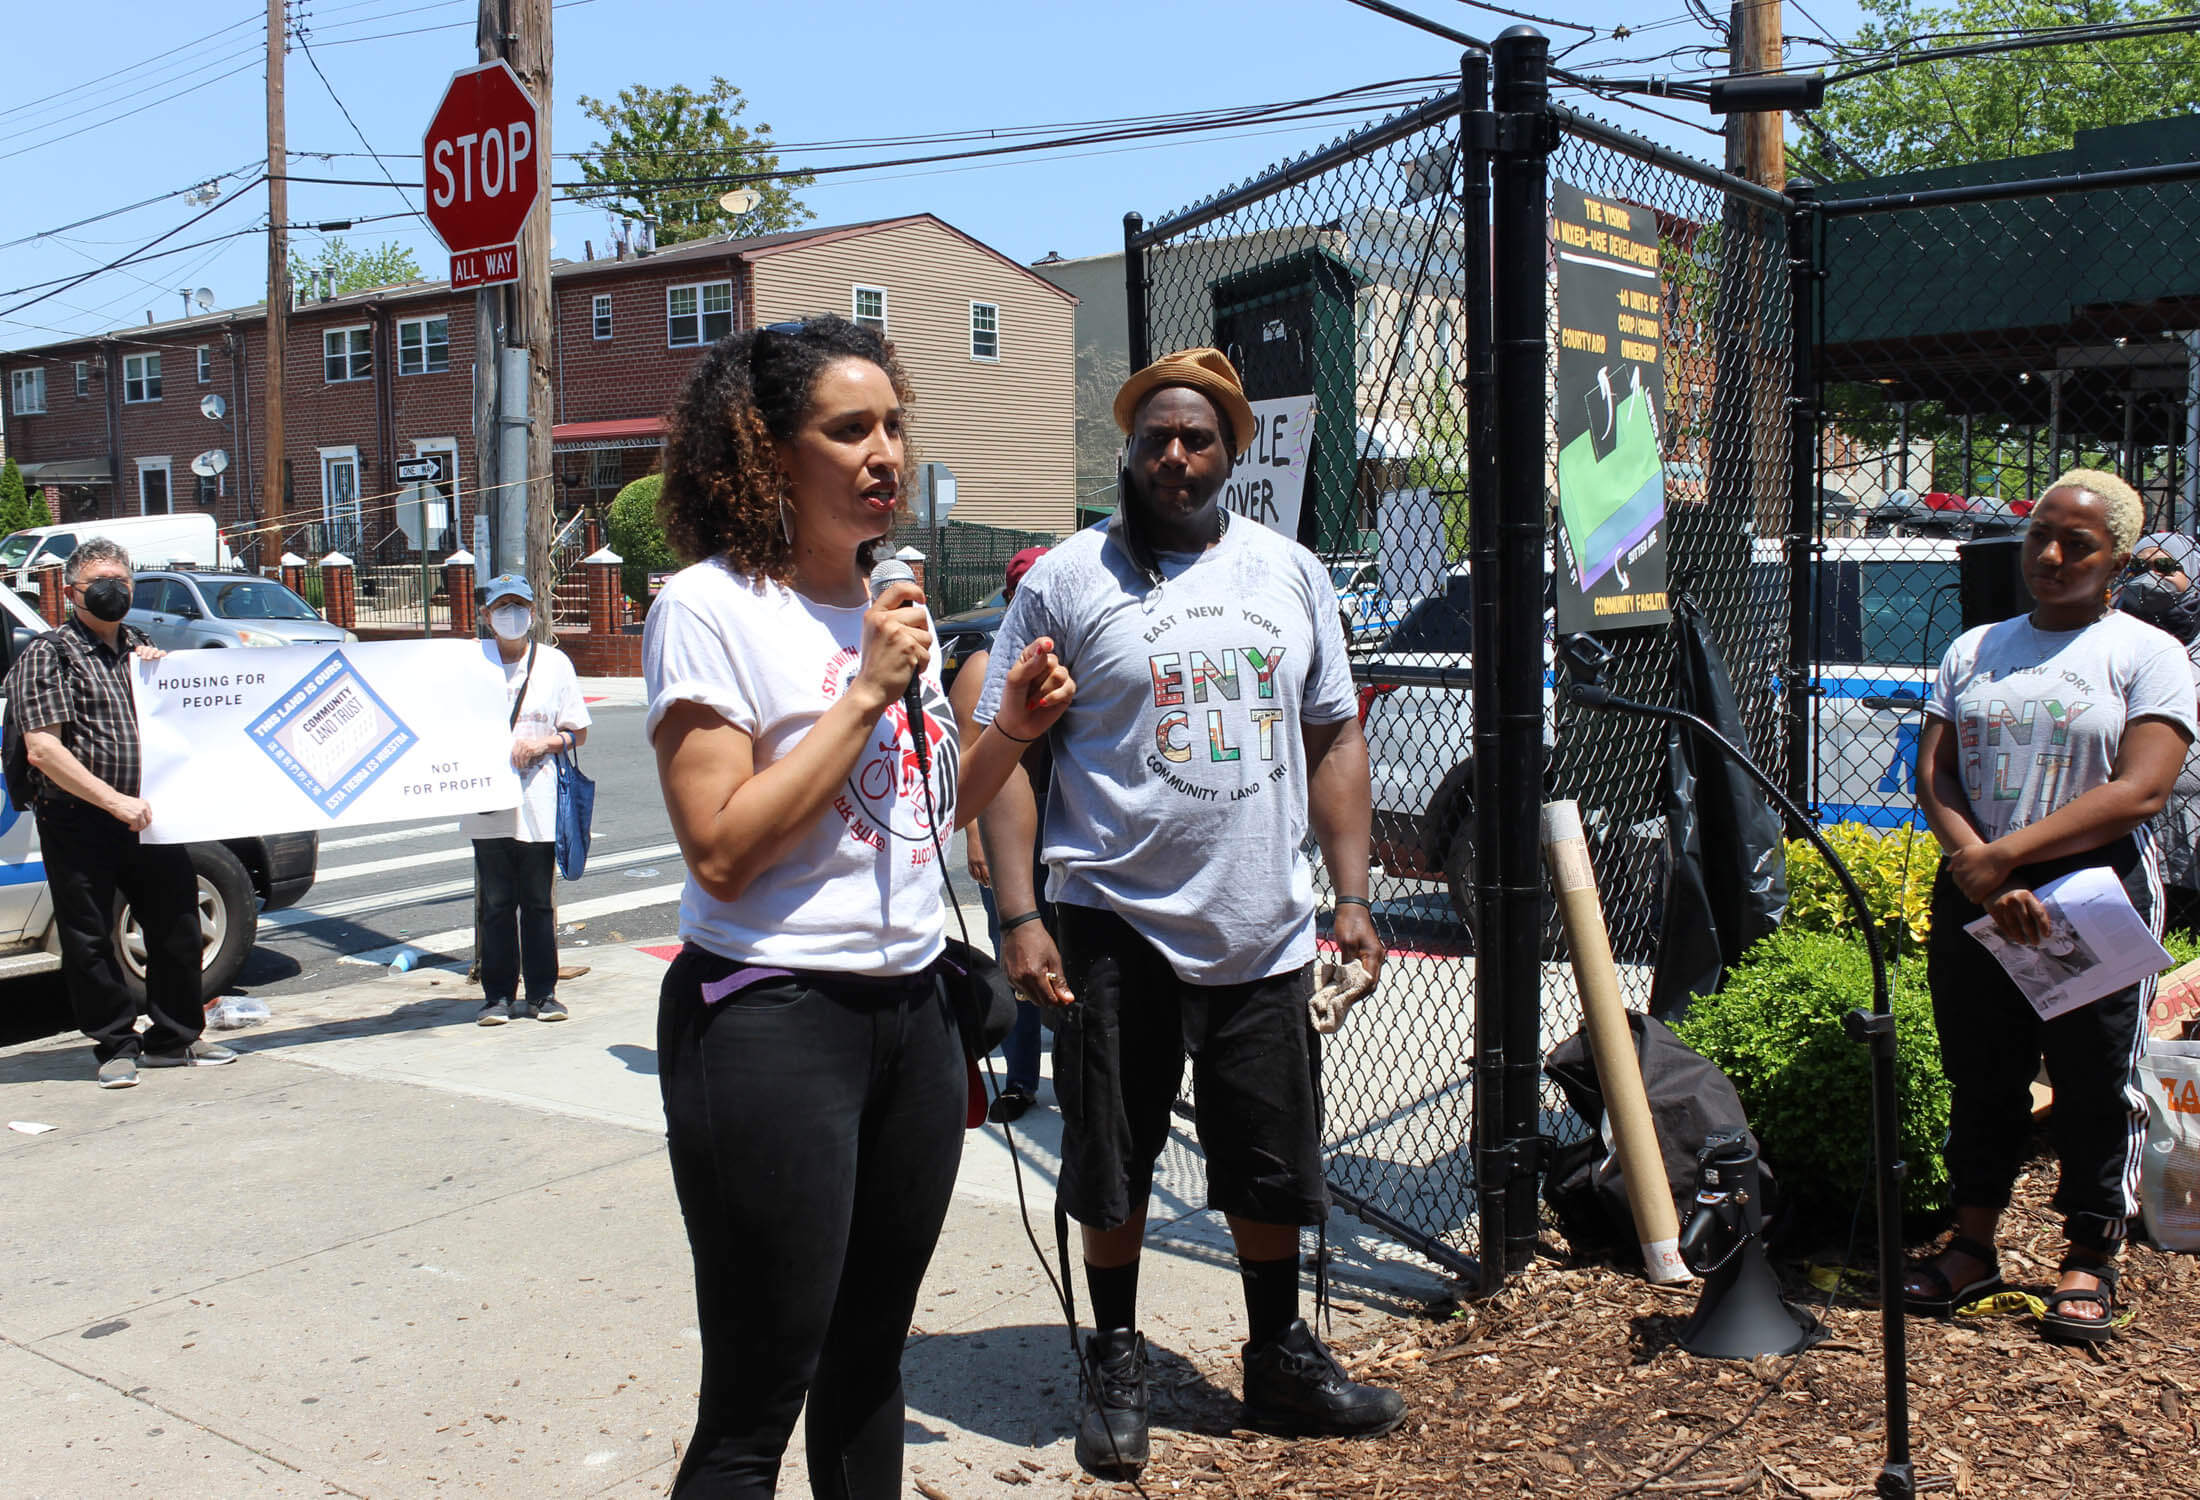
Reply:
x=860, y=893
x=1180, y=776
x=553, y=703
x=2039, y=714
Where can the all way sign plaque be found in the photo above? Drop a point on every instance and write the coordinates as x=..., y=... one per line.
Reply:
x=483, y=172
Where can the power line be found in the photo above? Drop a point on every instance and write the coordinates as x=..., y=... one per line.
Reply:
x=124, y=115
x=302, y=34
x=169, y=56
x=137, y=254
x=117, y=212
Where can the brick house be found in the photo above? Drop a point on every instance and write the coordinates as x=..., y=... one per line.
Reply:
x=109, y=425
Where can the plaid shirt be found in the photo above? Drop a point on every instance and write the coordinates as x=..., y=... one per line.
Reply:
x=67, y=677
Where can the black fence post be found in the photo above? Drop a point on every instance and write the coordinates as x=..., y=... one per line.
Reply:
x=1478, y=135
x=1519, y=219
x=1134, y=294
x=1804, y=521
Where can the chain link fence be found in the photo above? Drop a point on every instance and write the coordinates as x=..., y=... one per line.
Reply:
x=1336, y=285
x=1356, y=281
x=1985, y=328
x=966, y=563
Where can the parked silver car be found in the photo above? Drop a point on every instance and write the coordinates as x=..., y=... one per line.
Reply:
x=184, y=611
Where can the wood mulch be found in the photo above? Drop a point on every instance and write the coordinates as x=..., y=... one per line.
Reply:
x=1570, y=1383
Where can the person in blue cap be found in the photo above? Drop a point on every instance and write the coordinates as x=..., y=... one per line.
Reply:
x=515, y=849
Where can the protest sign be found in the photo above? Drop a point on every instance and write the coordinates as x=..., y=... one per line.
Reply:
x=1610, y=409
x=1268, y=483
x=286, y=739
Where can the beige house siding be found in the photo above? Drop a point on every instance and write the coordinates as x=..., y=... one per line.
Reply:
x=1008, y=427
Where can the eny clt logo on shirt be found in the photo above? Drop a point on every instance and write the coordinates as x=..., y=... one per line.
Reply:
x=1216, y=709
x=2039, y=731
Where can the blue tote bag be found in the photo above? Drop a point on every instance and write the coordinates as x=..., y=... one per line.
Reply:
x=576, y=810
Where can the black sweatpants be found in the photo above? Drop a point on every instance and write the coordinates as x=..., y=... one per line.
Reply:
x=89, y=856
x=518, y=921
x=816, y=1124
x=1991, y=1045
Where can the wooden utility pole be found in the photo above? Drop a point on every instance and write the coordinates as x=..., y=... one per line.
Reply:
x=519, y=315
x=1755, y=143
x=278, y=289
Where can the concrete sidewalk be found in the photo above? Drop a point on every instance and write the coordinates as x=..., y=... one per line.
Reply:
x=391, y=1253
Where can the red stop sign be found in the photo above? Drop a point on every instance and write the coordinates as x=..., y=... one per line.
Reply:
x=482, y=160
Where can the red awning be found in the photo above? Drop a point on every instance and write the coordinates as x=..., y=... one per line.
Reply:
x=620, y=432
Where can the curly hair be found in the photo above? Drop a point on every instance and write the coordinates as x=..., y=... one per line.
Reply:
x=2123, y=511
x=723, y=488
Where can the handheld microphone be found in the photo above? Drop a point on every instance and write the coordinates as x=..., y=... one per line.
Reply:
x=893, y=570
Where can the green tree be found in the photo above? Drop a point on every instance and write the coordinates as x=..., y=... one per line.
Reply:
x=14, y=501
x=386, y=264
x=2002, y=104
x=37, y=513
x=670, y=154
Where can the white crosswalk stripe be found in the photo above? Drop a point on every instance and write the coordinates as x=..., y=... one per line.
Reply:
x=328, y=873
x=461, y=939
x=392, y=836
x=417, y=895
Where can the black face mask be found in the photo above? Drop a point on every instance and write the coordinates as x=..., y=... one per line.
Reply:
x=107, y=599
x=2154, y=599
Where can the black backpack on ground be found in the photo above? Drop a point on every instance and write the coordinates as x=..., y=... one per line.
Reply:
x=1690, y=1099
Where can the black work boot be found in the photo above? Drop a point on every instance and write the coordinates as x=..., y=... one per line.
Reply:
x=1111, y=1440
x=1294, y=1386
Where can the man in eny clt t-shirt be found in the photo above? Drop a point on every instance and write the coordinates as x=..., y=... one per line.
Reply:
x=1214, y=724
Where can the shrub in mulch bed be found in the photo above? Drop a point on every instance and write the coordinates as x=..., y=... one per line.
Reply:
x=1570, y=1383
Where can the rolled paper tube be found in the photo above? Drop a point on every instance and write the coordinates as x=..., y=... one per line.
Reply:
x=1612, y=1043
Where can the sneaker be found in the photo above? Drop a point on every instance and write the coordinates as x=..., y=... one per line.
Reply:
x=118, y=1072
x=1294, y=1386
x=1111, y=1439
x=494, y=1013
x=1011, y=1104
x=200, y=1054
x=552, y=1009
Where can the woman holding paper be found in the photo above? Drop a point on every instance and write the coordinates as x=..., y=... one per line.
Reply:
x=2049, y=741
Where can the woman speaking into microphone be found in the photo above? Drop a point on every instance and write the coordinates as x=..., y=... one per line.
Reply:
x=813, y=1076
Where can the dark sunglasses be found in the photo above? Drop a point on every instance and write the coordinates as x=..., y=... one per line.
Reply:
x=2159, y=563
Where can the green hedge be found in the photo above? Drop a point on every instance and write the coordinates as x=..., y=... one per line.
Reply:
x=1893, y=866
x=1776, y=1029
x=634, y=534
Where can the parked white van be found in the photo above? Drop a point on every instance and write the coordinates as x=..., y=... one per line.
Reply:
x=152, y=541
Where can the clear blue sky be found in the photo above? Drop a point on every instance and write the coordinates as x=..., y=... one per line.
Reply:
x=814, y=73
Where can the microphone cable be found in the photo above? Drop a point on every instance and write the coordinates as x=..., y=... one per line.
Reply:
x=1062, y=1296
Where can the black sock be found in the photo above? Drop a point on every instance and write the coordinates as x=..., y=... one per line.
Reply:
x=1114, y=1292
x=1271, y=1296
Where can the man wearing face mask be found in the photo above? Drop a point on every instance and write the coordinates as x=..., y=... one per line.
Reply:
x=515, y=850
x=2160, y=589
x=71, y=691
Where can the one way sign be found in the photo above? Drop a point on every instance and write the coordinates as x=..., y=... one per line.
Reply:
x=410, y=469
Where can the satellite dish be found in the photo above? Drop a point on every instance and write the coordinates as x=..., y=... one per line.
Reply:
x=210, y=463
x=212, y=407
x=203, y=298
x=739, y=201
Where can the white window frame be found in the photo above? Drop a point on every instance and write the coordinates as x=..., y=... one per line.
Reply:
x=20, y=381
x=147, y=379
x=167, y=469
x=596, y=467
x=350, y=353
x=206, y=364
x=994, y=308
x=702, y=337
x=599, y=315
x=426, y=344
x=83, y=377
x=856, y=314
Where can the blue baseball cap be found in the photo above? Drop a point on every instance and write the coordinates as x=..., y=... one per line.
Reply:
x=508, y=586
